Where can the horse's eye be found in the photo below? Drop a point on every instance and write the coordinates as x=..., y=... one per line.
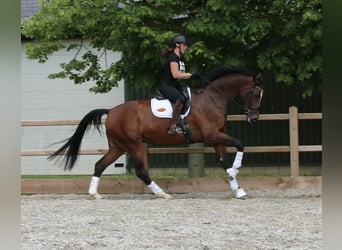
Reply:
x=258, y=94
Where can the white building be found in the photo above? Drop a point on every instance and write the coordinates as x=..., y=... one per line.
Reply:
x=61, y=99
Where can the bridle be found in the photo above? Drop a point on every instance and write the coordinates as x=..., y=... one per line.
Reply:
x=249, y=93
x=247, y=109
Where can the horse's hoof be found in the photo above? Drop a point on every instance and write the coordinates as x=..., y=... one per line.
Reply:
x=164, y=195
x=96, y=196
x=241, y=194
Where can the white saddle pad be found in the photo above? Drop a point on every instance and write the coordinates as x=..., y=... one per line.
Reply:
x=163, y=108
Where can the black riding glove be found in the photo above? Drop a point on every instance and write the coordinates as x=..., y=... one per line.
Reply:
x=195, y=75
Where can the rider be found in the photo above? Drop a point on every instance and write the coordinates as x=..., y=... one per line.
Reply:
x=174, y=72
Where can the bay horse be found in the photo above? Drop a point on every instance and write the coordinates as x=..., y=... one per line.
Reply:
x=131, y=124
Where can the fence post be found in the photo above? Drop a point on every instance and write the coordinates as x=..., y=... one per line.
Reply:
x=196, y=163
x=294, y=153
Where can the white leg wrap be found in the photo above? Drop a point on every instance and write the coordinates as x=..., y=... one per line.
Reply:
x=232, y=172
x=238, y=159
x=234, y=185
x=94, y=183
x=155, y=188
x=241, y=194
x=158, y=191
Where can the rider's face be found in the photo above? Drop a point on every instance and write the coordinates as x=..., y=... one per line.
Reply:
x=183, y=47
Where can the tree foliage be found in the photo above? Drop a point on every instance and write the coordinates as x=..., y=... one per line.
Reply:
x=281, y=39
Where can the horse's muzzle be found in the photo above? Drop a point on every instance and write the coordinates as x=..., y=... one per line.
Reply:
x=252, y=116
x=252, y=119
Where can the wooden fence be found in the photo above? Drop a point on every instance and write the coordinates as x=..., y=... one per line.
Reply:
x=294, y=148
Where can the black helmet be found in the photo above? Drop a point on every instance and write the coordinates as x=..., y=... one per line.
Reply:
x=178, y=39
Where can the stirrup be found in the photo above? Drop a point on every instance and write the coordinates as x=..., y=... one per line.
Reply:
x=175, y=130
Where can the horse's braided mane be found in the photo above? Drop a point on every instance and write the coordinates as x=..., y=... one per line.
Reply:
x=227, y=69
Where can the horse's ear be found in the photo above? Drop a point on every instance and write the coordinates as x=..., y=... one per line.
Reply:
x=259, y=79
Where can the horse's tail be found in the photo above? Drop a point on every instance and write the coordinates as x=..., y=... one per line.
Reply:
x=72, y=146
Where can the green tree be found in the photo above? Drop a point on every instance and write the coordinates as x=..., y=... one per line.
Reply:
x=281, y=39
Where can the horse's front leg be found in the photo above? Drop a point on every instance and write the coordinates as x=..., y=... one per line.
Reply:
x=232, y=171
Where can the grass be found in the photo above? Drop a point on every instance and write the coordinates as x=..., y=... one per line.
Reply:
x=133, y=176
x=126, y=176
x=183, y=174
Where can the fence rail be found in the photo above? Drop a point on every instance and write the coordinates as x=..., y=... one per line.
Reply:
x=294, y=148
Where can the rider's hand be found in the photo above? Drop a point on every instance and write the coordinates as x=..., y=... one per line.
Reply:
x=195, y=74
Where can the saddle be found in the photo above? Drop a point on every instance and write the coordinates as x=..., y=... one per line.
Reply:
x=161, y=106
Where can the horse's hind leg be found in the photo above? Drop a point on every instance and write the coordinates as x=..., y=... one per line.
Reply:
x=141, y=171
x=112, y=155
x=232, y=171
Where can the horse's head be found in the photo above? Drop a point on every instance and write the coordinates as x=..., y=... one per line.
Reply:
x=242, y=84
x=251, y=98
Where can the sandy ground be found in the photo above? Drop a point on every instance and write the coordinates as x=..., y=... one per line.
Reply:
x=269, y=219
